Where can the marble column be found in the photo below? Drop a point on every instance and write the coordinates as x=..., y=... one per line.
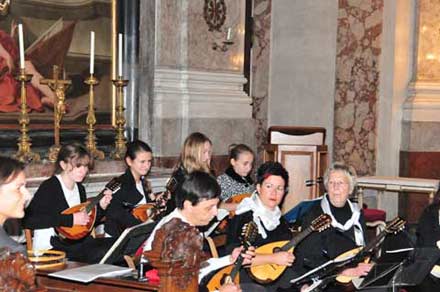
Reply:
x=147, y=45
x=357, y=83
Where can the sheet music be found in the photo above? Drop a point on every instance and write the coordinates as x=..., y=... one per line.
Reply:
x=86, y=274
x=121, y=239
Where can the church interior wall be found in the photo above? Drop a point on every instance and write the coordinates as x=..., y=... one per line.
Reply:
x=302, y=64
x=196, y=88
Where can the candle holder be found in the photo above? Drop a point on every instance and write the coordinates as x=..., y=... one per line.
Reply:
x=120, y=142
x=59, y=86
x=91, y=121
x=24, y=152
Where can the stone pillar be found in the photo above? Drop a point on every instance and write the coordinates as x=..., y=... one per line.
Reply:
x=147, y=45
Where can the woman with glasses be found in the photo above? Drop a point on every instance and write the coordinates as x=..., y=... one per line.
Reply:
x=347, y=229
x=263, y=208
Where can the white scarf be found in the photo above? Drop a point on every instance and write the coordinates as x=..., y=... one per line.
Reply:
x=353, y=221
x=261, y=214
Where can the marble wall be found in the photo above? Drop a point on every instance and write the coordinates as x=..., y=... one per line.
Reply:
x=184, y=40
x=357, y=83
x=428, y=46
x=195, y=88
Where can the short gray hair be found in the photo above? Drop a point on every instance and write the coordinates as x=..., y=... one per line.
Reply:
x=349, y=172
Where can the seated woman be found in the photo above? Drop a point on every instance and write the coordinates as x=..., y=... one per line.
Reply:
x=347, y=229
x=134, y=190
x=236, y=179
x=263, y=208
x=60, y=192
x=195, y=156
x=13, y=198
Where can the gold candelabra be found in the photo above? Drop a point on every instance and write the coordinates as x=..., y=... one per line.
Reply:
x=24, y=152
x=91, y=120
x=120, y=142
x=59, y=86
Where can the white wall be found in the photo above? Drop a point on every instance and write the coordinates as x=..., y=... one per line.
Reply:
x=303, y=56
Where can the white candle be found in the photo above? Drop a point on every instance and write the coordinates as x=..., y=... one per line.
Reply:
x=229, y=34
x=120, y=55
x=92, y=52
x=21, y=45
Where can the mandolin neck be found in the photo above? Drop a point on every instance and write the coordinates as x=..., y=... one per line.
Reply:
x=373, y=243
x=237, y=266
x=297, y=239
x=94, y=201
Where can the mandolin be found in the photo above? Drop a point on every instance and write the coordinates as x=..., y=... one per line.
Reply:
x=236, y=199
x=395, y=226
x=229, y=274
x=80, y=231
x=153, y=210
x=268, y=273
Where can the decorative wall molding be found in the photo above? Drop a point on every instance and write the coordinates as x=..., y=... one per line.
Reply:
x=423, y=102
x=197, y=94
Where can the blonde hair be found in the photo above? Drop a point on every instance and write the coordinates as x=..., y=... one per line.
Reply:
x=190, y=157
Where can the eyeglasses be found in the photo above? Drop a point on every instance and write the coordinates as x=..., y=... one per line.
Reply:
x=279, y=189
x=337, y=183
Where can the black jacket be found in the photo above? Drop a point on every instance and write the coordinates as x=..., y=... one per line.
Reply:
x=281, y=232
x=119, y=214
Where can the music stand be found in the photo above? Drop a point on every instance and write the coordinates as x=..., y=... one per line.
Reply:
x=128, y=242
x=411, y=270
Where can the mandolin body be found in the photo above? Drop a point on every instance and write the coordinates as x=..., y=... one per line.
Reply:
x=268, y=273
x=347, y=255
x=141, y=211
x=77, y=231
x=221, y=277
x=238, y=198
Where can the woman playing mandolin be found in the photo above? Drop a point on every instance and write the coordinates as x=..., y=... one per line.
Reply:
x=263, y=208
x=134, y=192
x=347, y=229
x=60, y=192
x=237, y=180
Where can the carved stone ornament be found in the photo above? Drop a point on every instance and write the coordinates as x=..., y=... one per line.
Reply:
x=177, y=253
x=214, y=12
x=17, y=273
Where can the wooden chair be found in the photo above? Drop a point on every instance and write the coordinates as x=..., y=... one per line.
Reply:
x=28, y=233
x=215, y=242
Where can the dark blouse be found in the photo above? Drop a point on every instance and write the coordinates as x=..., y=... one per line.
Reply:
x=282, y=232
